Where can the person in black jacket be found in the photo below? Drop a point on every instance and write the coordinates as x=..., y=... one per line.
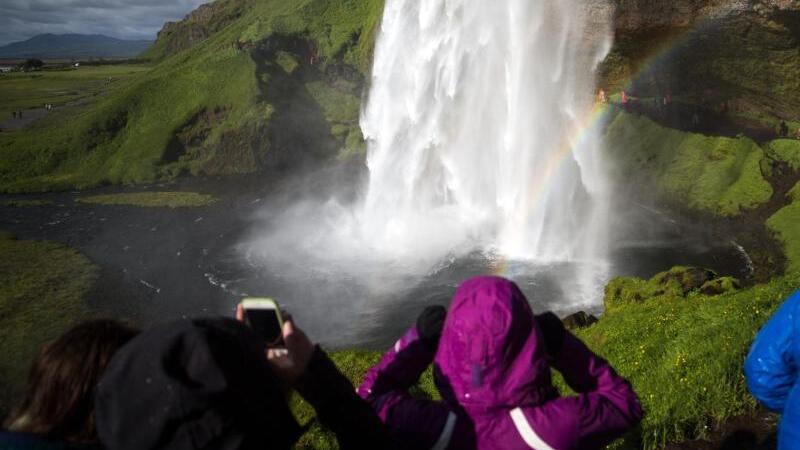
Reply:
x=210, y=384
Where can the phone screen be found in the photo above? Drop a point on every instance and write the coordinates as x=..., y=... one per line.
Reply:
x=265, y=323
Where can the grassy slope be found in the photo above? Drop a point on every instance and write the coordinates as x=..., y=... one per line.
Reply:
x=42, y=294
x=717, y=175
x=684, y=356
x=123, y=138
x=786, y=225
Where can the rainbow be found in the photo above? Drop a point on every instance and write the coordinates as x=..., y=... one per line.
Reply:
x=594, y=117
x=581, y=131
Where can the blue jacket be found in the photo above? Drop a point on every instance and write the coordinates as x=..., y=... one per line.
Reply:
x=772, y=370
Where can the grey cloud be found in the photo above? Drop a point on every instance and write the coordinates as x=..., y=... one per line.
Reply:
x=126, y=19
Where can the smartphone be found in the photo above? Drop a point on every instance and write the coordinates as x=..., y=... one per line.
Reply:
x=264, y=316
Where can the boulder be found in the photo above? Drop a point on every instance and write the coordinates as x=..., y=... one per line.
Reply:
x=578, y=320
x=685, y=279
x=720, y=286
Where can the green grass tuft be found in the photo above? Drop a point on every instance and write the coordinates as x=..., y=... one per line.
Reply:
x=153, y=199
x=786, y=150
x=287, y=61
x=20, y=203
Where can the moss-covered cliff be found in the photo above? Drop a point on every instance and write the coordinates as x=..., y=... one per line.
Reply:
x=236, y=87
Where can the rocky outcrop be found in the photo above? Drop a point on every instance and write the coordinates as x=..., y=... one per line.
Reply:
x=677, y=283
x=580, y=319
x=643, y=15
x=198, y=25
x=741, y=53
x=636, y=16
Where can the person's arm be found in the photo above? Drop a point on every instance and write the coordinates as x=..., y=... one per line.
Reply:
x=606, y=406
x=413, y=422
x=317, y=379
x=401, y=367
x=770, y=366
x=338, y=407
x=398, y=370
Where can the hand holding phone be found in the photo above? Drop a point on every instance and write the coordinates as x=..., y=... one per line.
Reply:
x=290, y=362
x=264, y=316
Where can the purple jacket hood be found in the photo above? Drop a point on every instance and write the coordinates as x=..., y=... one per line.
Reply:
x=491, y=353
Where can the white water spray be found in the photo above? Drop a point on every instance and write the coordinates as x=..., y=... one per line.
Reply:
x=477, y=128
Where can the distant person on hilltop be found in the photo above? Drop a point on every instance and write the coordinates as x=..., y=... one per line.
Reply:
x=491, y=363
x=772, y=370
x=14, y=114
x=57, y=410
x=213, y=384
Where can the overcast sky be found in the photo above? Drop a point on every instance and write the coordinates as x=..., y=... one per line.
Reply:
x=125, y=19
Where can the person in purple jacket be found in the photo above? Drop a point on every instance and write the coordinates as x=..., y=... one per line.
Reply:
x=492, y=359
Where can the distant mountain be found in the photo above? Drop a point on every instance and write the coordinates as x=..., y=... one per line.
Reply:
x=66, y=46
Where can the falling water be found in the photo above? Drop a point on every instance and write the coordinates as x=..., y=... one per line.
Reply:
x=481, y=157
x=478, y=128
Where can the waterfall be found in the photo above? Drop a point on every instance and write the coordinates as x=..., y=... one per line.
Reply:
x=483, y=156
x=480, y=133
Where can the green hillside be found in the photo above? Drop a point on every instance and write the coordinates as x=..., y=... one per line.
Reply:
x=230, y=104
x=705, y=173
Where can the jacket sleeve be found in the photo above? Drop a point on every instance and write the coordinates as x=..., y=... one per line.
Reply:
x=339, y=408
x=412, y=422
x=770, y=367
x=605, y=408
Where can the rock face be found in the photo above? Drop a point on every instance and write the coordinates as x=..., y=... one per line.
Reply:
x=641, y=15
x=579, y=320
x=741, y=53
x=686, y=279
x=199, y=25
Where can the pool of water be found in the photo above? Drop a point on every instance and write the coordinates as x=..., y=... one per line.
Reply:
x=162, y=264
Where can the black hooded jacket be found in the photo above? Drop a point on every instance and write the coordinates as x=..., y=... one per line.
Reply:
x=206, y=384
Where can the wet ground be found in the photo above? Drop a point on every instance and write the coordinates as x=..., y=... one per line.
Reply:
x=159, y=264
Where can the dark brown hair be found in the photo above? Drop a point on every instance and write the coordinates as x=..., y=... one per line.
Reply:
x=59, y=398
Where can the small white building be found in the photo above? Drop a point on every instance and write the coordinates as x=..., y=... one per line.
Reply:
x=6, y=69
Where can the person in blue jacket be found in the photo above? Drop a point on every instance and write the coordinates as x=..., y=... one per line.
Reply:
x=772, y=370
